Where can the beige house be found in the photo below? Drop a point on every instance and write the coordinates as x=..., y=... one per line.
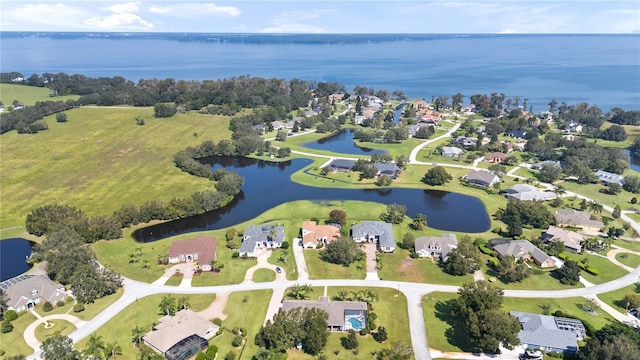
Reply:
x=24, y=292
x=436, y=246
x=577, y=219
x=523, y=249
x=314, y=234
x=343, y=315
x=571, y=240
x=200, y=250
x=185, y=331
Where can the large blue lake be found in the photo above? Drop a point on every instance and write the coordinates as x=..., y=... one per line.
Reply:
x=599, y=69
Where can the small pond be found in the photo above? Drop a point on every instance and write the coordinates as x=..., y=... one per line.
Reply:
x=268, y=184
x=13, y=257
x=343, y=143
x=634, y=161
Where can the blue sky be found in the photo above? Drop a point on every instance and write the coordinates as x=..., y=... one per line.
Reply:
x=319, y=16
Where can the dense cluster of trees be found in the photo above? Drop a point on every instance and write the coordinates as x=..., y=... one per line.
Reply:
x=71, y=261
x=288, y=328
x=342, y=251
x=614, y=341
x=48, y=218
x=478, y=309
x=436, y=176
x=569, y=273
x=511, y=270
x=465, y=259
x=29, y=119
x=621, y=117
x=524, y=213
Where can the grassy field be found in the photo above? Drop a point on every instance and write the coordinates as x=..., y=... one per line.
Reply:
x=615, y=298
x=60, y=327
x=442, y=336
x=399, y=266
x=100, y=160
x=264, y=275
x=632, y=260
x=246, y=310
x=144, y=312
x=28, y=95
x=13, y=342
x=608, y=270
x=319, y=269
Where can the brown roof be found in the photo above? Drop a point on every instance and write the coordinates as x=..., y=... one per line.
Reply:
x=496, y=155
x=204, y=246
x=311, y=232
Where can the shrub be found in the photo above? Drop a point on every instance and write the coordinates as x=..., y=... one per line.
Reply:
x=555, y=354
x=235, y=255
x=201, y=356
x=237, y=341
x=212, y=349
x=78, y=308
x=219, y=332
x=243, y=332
x=217, y=321
x=6, y=327
x=231, y=355
x=364, y=331
x=485, y=250
x=10, y=315
x=563, y=256
x=60, y=303
x=493, y=262
x=380, y=335
x=285, y=245
x=47, y=307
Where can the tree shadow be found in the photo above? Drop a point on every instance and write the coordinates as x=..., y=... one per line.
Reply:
x=456, y=334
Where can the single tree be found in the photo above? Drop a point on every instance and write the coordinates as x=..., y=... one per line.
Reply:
x=59, y=347
x=569, y=273
x=136, y=334
x=112, y=350
x=168, y=305
x=419, y=221
x=394, y=214
x=350, y=341
x=183, y=302
x=408, y=242
x=436, y=176
x=338, y=216
x=95, y=347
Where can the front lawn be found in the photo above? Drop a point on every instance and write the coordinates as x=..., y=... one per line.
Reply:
x=264, y=275
x=615, y=298
x=320, y=269
x=57, y=327
x=632, y=260
x=399, y=266
x=144, y=312
x=608, y=270
x=12, y=343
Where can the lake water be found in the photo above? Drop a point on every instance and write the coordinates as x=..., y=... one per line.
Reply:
x=634, y=161
x=13, y=257
x=599, y=69
x=342, y=143
x=268, y=184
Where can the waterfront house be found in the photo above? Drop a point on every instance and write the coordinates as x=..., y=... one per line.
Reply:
x=378, y=232
x=420, y=105
x=341, y=165
x=549, y=333
x=610, y=178
x=482, y=178
x=261, y=237
x=24, y=292
x=314, y=234
x=200, y=250
x=526, y=192
x=388, y=169
x=577, y=219
x=523, y=250
x=343, y=315
x=436, y=246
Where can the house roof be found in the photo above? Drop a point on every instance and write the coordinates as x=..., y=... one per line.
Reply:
x=451, y=150
x=342, y=164
x=20, y=289
x=172, y=329
x=386, y=168
x=311, y=232
x=610, y=178
x=204, y=246
x=577, y=219
x=484, y=176
x=375, y=228
x=335, y=309
x=519, y=249
x=570, y=239
x=538, y=166
x=254, y=234
x=549, y=331
x=516, y=133
x=496, y=155
x=442, y=244
x=526, y=192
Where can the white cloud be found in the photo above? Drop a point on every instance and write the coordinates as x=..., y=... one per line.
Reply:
x=41, y=16
x=119, y=22
x=130, y=7
x=290, y=22
x=294, y=28
x=194, y=9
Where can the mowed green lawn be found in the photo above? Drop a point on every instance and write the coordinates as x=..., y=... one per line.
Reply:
x=100, y=160
x=28, y=95
x=144, y=312
x=13, y=342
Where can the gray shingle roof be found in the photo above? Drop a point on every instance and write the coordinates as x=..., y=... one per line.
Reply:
x=519, y=248
x=172, y=329
x=482, y=177
x=549, y=331
x=577, y=219
x=440, y=244
x=335, y=309
x=379, y=229
x=342, y=164
x=386, y=168
x=260, y=233
x=24, y=287
x=526, y=192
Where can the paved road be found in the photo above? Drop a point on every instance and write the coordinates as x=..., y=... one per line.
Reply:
x=301, y=263
x=413, y=157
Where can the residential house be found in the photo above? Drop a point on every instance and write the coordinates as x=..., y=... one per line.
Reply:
x=310, y=113
x=547, y=115
x=314, y=234
x=336, y=97
x=465, y=141
x=378, y=232
x=341, y=165
x=452, y=151
x=420, y=105
x=577, y=219
x=495, y=157
x=24, y=292
x=343, y=315
x=260, y=129
x=413, y=129
x=200, y=250
x=523, y=250
x=573, y=127
x=281, y=125
x=549, y=333
x=469, y=108
x=517, y=134
x=182, y=336
x=388, y=169
x=368, y=113
x=526, y=192
x=483, y=178
x=571, y=240
x=539, y=165
x=436, y=246
x=261, y=237
x=610, y=178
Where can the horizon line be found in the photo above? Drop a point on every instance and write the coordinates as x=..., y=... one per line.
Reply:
x=297, y=33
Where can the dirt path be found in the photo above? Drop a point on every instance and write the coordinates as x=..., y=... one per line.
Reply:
x=216, y=309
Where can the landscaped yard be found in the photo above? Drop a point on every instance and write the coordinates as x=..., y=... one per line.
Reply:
x=615, y=298
x=57, y=327
x=632, y=260
x=144, y=312
x=101, y=160
x=608, y=270
x=13, y=342
x=264, y=275
x=399, y=266
x=90, y=310
x=320, y=269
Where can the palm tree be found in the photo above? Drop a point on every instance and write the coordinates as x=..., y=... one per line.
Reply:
x=305, y=290
x=137, y=333
x=168, y=305
x=584, y=205
x=595, y=207
x=343, y=294
x=183, y=303
x=95, y=346
x=111, y=350
x=591, y=243
x=559, y=190
x=419, y=221
x=370, y=296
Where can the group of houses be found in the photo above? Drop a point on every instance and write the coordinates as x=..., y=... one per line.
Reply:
x=345, y=165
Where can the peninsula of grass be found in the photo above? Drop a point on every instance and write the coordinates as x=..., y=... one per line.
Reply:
x=628, y=259
x=12, y=343
x=264, y=275
x=442, y=336
x=247, y=310
x=28, y=95
x=100, y=160
x=143, y=313
x=55, y=327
